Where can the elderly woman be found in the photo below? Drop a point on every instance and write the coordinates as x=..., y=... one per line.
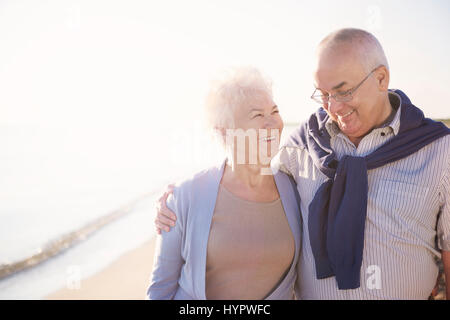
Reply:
x=217, y=249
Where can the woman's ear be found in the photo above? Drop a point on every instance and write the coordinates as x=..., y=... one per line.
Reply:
x=221, y=133
x=219, y=130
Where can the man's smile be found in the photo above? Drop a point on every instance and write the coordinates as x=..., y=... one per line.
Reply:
x=346, y=115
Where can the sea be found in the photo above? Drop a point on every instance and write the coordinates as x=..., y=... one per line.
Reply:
x=74, y=200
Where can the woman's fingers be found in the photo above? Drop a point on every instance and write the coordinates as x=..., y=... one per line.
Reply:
x=163, y=210
x=161, y=227
x=165, y=218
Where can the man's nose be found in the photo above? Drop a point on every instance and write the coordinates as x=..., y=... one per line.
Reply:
x=335, y=106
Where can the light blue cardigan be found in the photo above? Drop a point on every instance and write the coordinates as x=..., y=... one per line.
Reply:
x=179, y=268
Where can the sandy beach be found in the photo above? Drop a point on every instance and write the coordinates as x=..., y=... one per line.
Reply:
x=127, y=278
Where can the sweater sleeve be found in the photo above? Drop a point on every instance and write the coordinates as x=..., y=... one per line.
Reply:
x=168, y=260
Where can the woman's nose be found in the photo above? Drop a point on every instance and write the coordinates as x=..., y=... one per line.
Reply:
x=269, y=122
x=272, y=125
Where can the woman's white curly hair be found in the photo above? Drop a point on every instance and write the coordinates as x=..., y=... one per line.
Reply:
x=236, y=87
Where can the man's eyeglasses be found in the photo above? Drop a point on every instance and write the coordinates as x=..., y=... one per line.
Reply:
x=340, y=96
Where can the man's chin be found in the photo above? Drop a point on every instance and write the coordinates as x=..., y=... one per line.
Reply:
x=352, y=132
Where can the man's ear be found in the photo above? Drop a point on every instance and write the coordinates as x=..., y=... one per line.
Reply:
x=382, y=76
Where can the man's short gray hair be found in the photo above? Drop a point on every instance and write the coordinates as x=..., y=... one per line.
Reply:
x=236, y=87
x=368, y=46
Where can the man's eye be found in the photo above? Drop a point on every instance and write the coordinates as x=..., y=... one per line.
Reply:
x=257, y=115
x=344, y=94
x=275, y=111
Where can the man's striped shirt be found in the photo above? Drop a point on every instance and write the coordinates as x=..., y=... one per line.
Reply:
x=407, y=223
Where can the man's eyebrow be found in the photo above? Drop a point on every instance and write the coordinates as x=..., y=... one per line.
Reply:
x=275, y=106
x=340, y=85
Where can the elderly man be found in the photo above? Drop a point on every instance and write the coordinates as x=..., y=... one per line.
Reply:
x=373, y=177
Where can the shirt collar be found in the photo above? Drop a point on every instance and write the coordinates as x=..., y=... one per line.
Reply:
x=394, y=124
x=396, y=103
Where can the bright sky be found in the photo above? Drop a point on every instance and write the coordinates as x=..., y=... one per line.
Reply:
x=91, y=89
x=148, y=63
